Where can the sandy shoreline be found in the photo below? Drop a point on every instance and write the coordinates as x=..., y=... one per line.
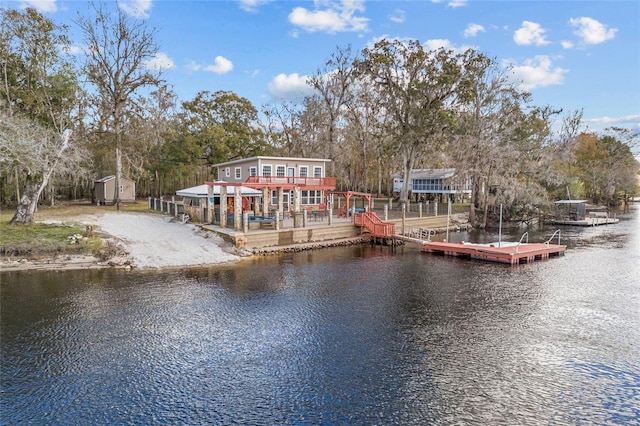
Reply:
x=144, y=241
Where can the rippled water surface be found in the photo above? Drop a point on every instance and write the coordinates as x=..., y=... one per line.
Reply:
x=355, y=335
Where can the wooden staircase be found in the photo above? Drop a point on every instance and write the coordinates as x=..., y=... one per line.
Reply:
x=376, y=227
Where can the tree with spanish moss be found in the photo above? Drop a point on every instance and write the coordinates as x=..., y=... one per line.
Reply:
x=118, y=49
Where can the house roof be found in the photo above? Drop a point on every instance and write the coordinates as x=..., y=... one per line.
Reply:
x=430, y=173
x=203, y=191
x=243, y=160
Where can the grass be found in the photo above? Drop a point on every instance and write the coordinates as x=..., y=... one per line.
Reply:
x=39, y=240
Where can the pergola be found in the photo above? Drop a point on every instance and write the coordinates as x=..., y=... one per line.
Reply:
x=351, y=194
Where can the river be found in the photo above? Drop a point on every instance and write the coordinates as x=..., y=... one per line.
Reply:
x=351, y=335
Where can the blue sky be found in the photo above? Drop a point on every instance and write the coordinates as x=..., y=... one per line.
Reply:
x=568, y=54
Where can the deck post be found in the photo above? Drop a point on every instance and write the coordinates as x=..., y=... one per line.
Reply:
x=280, y=193
x=150, y=208
x=330, y=213
x=435, y=208
x=245, y=222
x=304, y=218
x=237, y=209
x=223, y=206
x=390, y=203
x=404, y=216
x=420, y=210
x=386, y=212
x=265, y=200
x=277, y=219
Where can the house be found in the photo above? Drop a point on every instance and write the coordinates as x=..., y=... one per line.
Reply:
x=104, y=190
x=434, y=184
x=289, y=183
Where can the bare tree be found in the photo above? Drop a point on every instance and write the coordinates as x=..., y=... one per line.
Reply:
x=333, y=87
x=38, y=81
x=42, y=153
x=117, y=51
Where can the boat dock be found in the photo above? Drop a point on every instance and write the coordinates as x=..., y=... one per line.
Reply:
x=510, y=253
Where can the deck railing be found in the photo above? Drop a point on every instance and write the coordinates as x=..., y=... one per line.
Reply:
x=374, y=224
x=324, y=182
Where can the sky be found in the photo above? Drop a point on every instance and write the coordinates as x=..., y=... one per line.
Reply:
x=574, y=55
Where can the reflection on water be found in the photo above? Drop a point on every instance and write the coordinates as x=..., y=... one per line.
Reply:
x=353, y=335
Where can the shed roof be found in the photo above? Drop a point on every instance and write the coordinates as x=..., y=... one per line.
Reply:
x=108, y=178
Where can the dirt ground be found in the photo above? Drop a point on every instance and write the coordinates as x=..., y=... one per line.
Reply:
x=141, y=240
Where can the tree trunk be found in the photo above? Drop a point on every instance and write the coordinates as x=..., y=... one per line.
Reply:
x=474, y=198
x=407, y=163
x=29, y=202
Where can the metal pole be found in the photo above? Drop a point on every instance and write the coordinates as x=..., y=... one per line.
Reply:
x=448, y=215
x=500, y=229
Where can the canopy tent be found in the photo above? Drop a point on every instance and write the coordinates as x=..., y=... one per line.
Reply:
x=203, y=191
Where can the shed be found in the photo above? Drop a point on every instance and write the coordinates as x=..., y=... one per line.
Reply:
x=104, y=190
x=571, y=209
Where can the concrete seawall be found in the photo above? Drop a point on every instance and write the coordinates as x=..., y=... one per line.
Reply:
x=319, y=234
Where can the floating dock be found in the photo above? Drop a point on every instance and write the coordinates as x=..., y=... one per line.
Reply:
x=505, y=252
x=587, y=221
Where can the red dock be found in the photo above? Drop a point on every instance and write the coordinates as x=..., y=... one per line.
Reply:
x=511, y=253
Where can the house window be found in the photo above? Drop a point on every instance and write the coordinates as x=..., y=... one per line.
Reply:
x=253, y=171
x=311, y=197
x=317, y=171
x=238, y=173
x=280, y=171
x=304, y=171
x=227, y=172
x=266, y=170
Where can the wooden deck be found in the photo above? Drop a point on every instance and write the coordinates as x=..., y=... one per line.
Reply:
x=510, y=253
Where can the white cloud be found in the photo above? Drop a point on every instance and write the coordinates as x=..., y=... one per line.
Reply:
x=42, y=6
x=252, y=5
x=337, y=16
x=457, y=3
x=592, y=31
x=567, y=44
x=452, y=3
x=221, y=65
x=627, y=119
x=437, y=43
x=160, y=62
x=398, y=16
x=289, y=87
x=135, y=8
x=530, y=33
x=473, y=30
x=537, y=72
x=73, y=50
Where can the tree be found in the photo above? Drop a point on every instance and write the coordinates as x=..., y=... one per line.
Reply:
x=332, y=85
x=605, y=165
x=41, y=153
x=117, y=50
x=39, y=98
x=224, y=125
x=419, y=90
